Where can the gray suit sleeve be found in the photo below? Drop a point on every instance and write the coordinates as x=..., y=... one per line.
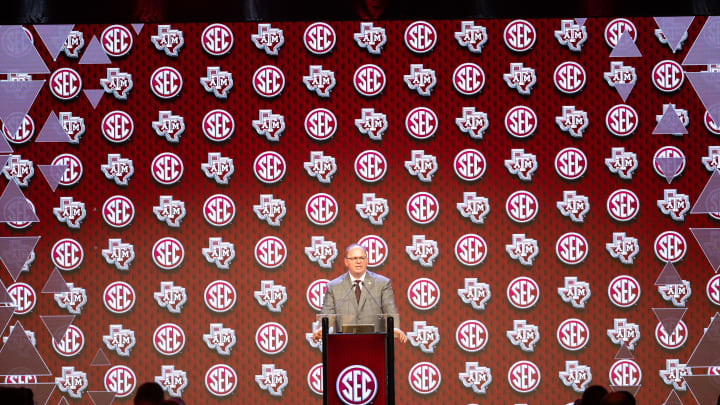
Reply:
x=329, y=302
x=388, y=303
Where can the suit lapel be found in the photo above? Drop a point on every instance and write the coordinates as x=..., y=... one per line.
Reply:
x=368, y=285
x=347, y=285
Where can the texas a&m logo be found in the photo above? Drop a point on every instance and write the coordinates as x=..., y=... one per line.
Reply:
x=569, y=77
x=18, y=169
x=220, y=339
x=169, y=126
x=272, y=379
x=571, y=248
x=121, y=380
x=70, y=212
x=118, y=211
x=423, y=294
x=117, y=83
x=625, y=373
x=170, y=211
x=420, y=79
x=471, y=36
x=219, y=253
x=168, y=253
x=473, y=123
x=268, y=81
x=674, y=374
x=321, y=251
x=576, y=376
x=170, y=296
x=613, y=32
x=118, y=169
x=519, y=35
x=320, y=166
x=677, y=294
x=420, y=37
x=270, y=209
x=67, y=254
x=524, y=335
x=218, y=167
x=116, y=40
x=421, y=165
x=271, y=296
x=573, y=334
x=65, y=84
x=468, y=79
x=474, y=293
x=370, y=37
x=221, y=380
x=574, y=292
x=424, y=378
x=476, y=377
x=572, y=121
x=521, y=164
x=72, y=300
x=73, y=44
x=624, y=333
x=522, y=249
x=27, y=130
x=573, y=206
x=473, y=207
x=681, y=113
x=520, y=78
x=624, y=291
x=671, y=340
x=218, y=82
x=217, y=39
x=372, y=124
x=424, y=336
x=670, y=246
x=660, y=35
x=320, y=80
x=622, y=163
x=423, y=251
x=268, y=39
x=571, y=34
x=73, y=126
x=674, y=204
x=524, y=376
x=120, y=340
x=171, y=380
x=270, y=252
x=620, y=74
x=712, y=160
x=119, y=254
x=168, y=40
x=72, y=382
x=372, y=208
x=269, y=124
x=166, y=82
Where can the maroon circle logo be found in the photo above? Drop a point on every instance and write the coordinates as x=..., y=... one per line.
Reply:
x=119, y=297
x=24, y=132
x=423, y=294
x=166, y=82
x=270, y=252
x=118, y=211
x=376, y=249
x=624, y=291
x=116, y=40
x=71, y=343
x=321, y=209
x=521, y=121
x=471, y=336
x=422, y=208
x=712, y=290
x=320, y=124
x=668, y=152
x=616, y=27
x=219, y=210
x=573, y=334
x=424, y=378
x=370, y=166
x=121, y=380
x=621, y=120
x=468, y=79
x=524, y=376
x=319, y=38
x=315, y=293
x=23, y=296
x=519, y=35
x=569, y=77
x=369, y=80
x=522, y=206
x=674, y=340
x=169, y=339
x=221, y=380
x=571, y=163
x=668, y=76
x=167, y=168
x=268, y=81
x=469, y=164
x=15, y=205
x=420, y=37
x=356, y=385
x=218, y=125
x=623, y=205
x=65, y=83
x=217, y=39
x=271, y=338
x=74, y=170
x=523, y=292
x=219, y=296
x=117, y=126
x=625, y=373
x=571, y=248
x=168, y=253
x=670, y=246
x=421, y=123
x=269, y=167
x=471, y=249
x=67, y=254
x=710, y=124
x=314, y=379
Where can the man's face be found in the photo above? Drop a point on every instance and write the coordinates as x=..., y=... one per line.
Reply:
x=356, y=262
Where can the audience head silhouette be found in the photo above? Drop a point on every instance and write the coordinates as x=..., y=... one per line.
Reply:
x=618, y=398
x=593, y=395
x=150, y=393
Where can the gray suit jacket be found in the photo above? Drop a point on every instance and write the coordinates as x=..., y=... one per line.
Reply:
x=366, y=311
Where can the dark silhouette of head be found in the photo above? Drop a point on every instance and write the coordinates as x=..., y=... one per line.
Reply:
x=618, y=398
x=18, y=396
x=593, y=395
x=150, y=393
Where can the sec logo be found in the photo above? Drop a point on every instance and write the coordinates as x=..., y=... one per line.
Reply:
x=217, y=39
x=369, y=80
x=119, y=297
x=471, y=249
x=269, y=167
x=117, y=126
x=167, y=168
x=271, y=338
x=321, y=209
x=624, y=291
x=319, y=38
x=569, y=77
x=67, y=254
x=421, y=123
x=121, y=380
x=315, y=293
x=116, y=40
x=168, y=253
x=522, y=206
x=625, y=373
x=573, y=334
x=524, y=376
x=623, y=205
x=670, y=246
x=169, y=339
x=571, y=248
x=270, y=252
x=220, y=296
x=74, y=170
x=523, y=292
x=621, y=120
x=356, y=385
x=221, y=380
x=468, y=79
x=376, y=248
x=65, y=83
x=423, y=294
x=166, y=82
x=712, y=290
x=668, y=76
x=218, y=125
x=24, y=132
x=469, y=164
x=571, y=163
x=118, y=211
x=424, y=378
x=668, y=152
x=422, y=208
x=616, y=27
x=314, y=379
x=710, y=124
x=23, y=296
x=268, y=81
x=320, y=124
x=519, y=35
x=370, y=166
x=420, y=37
x=219, y=210
x=674, y=340
x=471, y=336
x=20, y=224
x=72, y=342
x=521, y=121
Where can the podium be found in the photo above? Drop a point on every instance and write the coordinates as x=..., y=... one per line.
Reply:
x=358, y=364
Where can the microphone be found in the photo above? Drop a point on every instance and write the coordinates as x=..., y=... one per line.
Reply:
x=337, y=305
x=371, y=295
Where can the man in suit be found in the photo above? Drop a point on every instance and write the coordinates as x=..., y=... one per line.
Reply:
x=360, y=295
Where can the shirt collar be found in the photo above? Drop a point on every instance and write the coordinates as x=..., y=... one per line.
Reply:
x=353, y=279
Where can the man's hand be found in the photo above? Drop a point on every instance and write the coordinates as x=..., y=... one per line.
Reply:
x=400, y=335
x=317, y=335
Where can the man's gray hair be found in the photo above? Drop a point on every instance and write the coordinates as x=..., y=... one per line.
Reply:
x=355, y=245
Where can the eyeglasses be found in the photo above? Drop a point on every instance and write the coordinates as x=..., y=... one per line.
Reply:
x=357, y=259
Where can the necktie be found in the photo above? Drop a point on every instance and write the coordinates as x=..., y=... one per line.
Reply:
x=357, y=290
